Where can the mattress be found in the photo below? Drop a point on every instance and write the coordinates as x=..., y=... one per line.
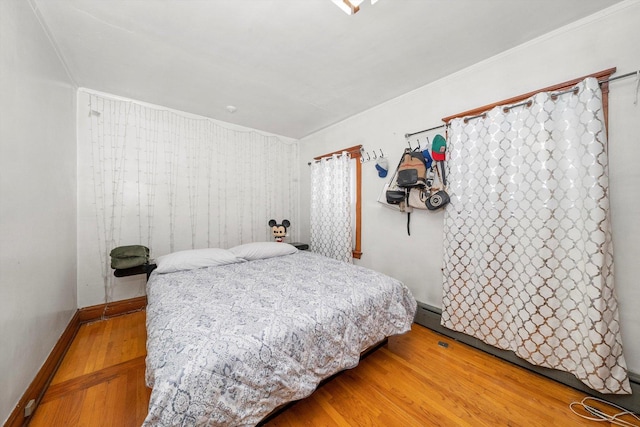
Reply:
x=228, y=344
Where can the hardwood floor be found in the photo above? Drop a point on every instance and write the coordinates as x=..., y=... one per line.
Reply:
x=100, y=382
x=411, y=381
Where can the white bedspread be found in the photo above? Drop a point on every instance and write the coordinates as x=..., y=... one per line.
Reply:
x=228, y=344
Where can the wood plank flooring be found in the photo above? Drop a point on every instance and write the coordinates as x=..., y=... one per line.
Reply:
x=411, y=381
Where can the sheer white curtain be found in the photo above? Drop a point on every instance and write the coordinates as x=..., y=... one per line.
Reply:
x=174, y=181
x=528, y=253
x=331, y=207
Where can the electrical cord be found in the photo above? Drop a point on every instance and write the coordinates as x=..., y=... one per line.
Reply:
x=600, y=415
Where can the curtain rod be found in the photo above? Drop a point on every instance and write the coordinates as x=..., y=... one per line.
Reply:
x=605, y=74
x=407, y=135
x=610, y=79
x=554, y=95
x=355, y=152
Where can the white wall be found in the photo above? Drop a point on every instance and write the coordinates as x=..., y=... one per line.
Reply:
x=607, y=39
x=37, y=200
x=178, y=181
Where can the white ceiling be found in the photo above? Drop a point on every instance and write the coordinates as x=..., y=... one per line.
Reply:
x=291, y=67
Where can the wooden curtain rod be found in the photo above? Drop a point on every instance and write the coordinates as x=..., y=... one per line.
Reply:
x=602, y=75
x=354, y=152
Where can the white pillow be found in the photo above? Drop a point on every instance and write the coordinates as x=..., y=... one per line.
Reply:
x=261, y=250
x=195, y=258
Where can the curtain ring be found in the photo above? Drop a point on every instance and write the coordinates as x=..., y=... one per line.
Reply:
x=381, y=153
x=368, y=157
x=375, y=156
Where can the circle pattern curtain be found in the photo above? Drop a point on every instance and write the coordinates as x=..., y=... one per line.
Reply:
x=331, y=212
x=528, y=263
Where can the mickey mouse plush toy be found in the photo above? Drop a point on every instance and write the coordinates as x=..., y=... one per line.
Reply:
x=279, y=230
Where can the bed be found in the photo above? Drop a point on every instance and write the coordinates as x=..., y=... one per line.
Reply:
x=231, y=338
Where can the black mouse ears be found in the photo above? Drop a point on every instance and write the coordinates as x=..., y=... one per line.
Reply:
x=273, y=223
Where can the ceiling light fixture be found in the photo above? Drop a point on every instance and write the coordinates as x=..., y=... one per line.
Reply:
x=350, y=6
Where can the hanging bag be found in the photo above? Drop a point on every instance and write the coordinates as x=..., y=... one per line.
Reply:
x=438, y=197
x=412, y=171
x=129, y=256
x=395, y=197
x=437, y=200
x=418, y=197
x=394, y=194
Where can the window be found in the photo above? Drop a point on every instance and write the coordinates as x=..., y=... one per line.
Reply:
x=355, y=155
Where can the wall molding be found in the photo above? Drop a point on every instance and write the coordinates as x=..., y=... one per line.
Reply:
x=115, y=308
x=43, y=378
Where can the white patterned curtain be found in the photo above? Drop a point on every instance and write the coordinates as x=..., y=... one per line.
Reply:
x=331, y=211
x=528, y=261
